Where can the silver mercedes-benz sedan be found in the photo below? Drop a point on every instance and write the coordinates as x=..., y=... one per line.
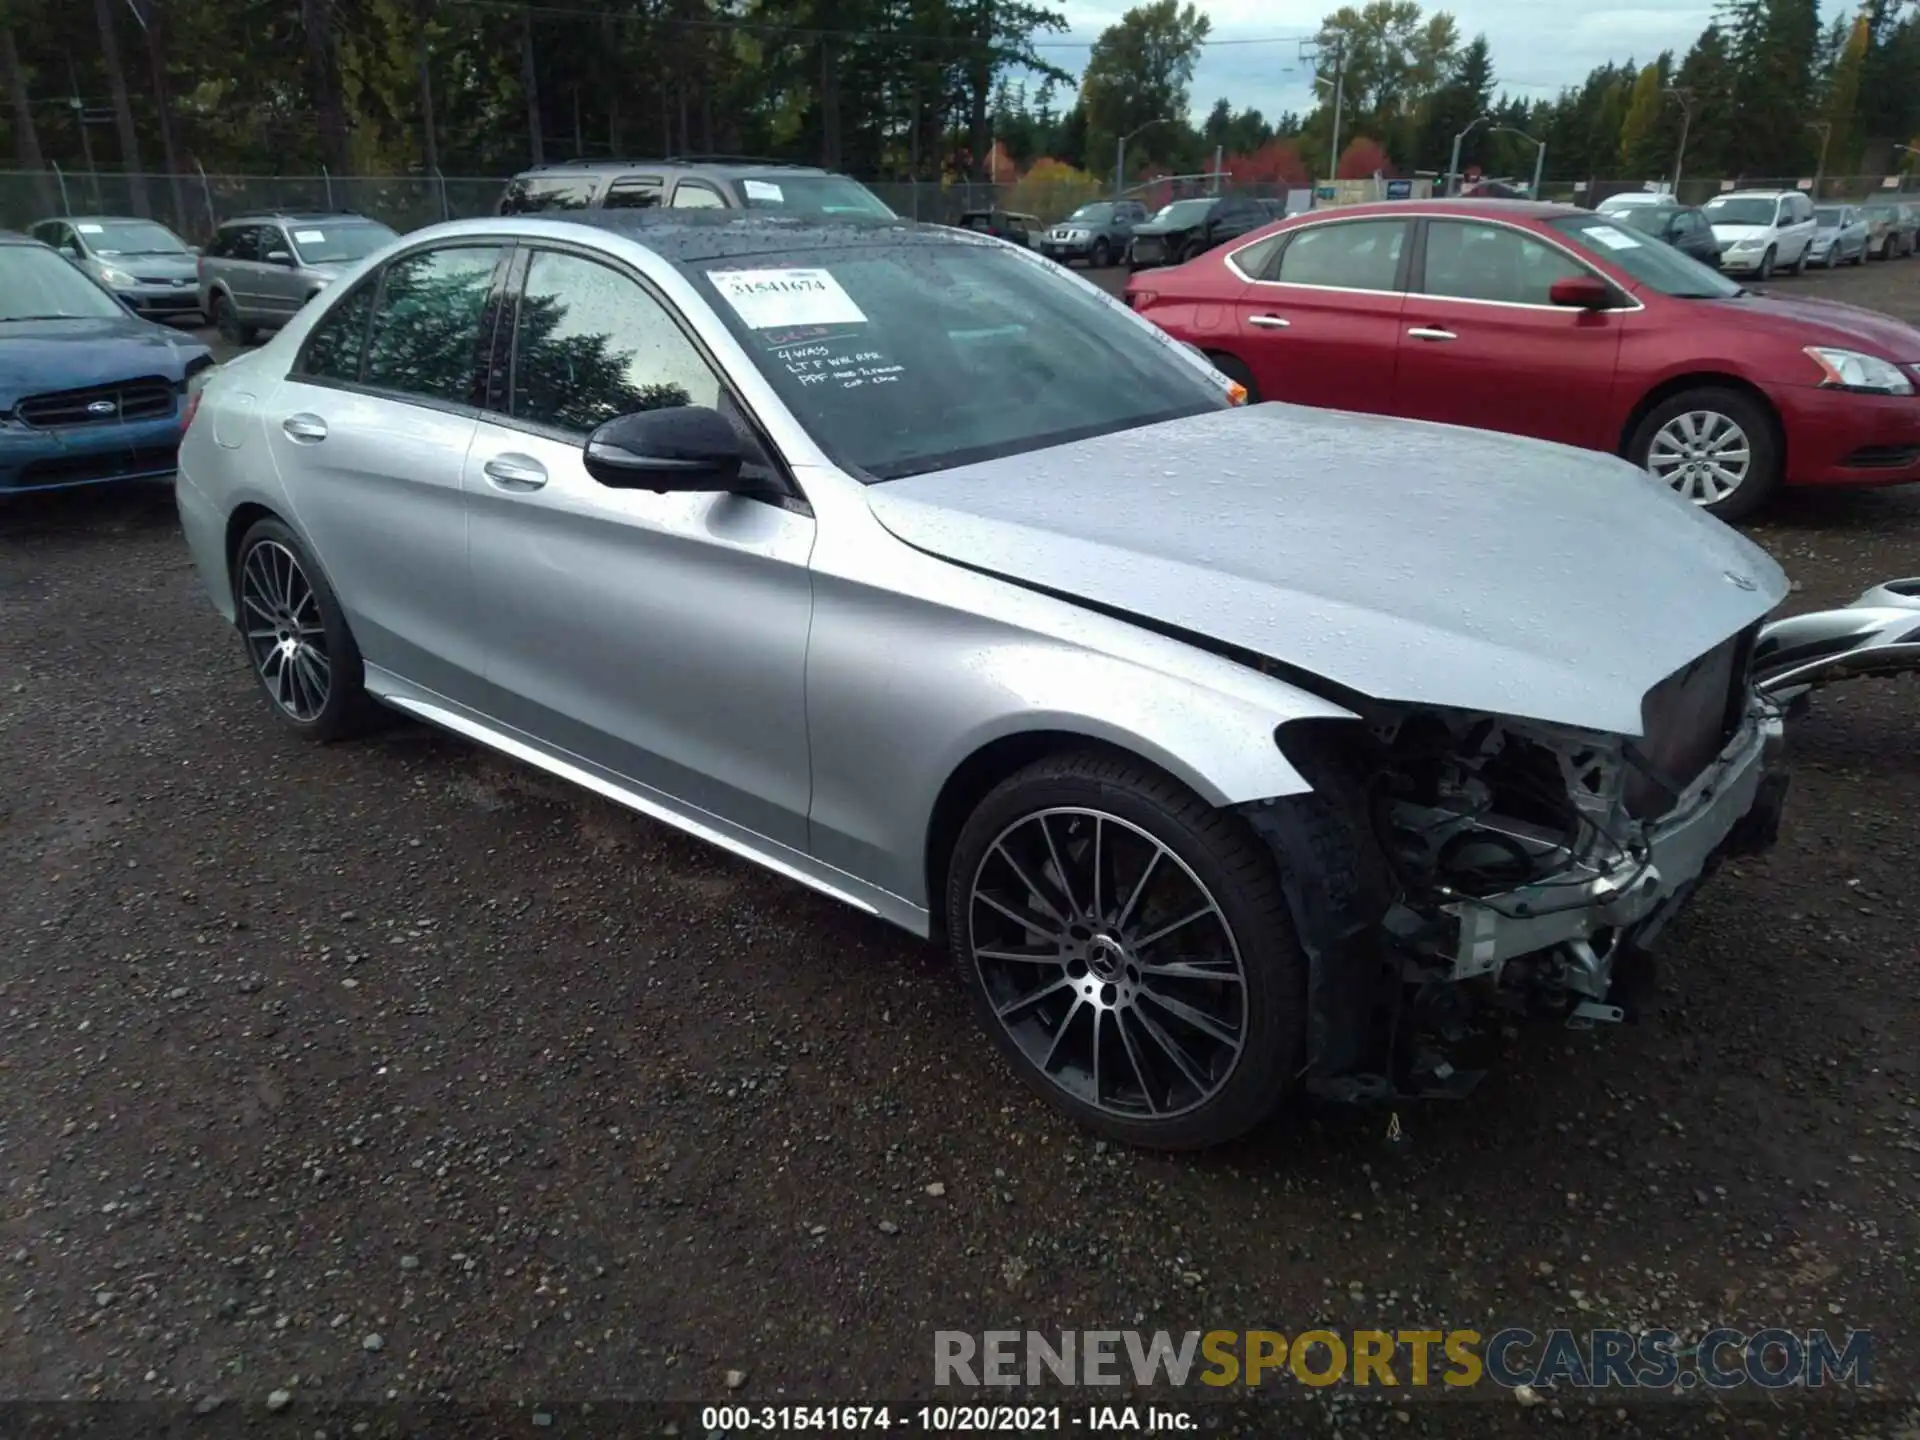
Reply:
x=1231, y=750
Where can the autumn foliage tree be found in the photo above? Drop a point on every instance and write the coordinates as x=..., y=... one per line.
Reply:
x=1362, y=159
x=1274, y=163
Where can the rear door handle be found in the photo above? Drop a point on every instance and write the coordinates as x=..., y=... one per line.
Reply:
x=515, y=472
x=1429, y=332
x=305, y=429
x=1269, y=322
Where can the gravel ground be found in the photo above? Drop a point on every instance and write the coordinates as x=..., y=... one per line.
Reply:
x=396, y=1069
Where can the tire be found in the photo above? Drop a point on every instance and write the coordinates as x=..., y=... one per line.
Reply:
x=1799, y=267
x=1833, y=257
x=228, y=323
x=1763, y=475
x=1765, y=272
x=261, y=582
x=1102, y=255
x=1237, y=372
x=1103, y=1010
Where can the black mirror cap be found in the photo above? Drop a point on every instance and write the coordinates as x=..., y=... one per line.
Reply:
x=678, y=447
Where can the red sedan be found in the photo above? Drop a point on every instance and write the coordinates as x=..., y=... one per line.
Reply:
x=1551, y=321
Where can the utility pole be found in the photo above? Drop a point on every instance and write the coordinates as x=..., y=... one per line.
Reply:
x=1825, y=130
x=1687, y=100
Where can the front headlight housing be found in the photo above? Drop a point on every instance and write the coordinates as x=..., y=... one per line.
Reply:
x=1858, y=372
x=115, y=276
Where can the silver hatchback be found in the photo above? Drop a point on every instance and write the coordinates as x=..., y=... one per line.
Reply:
x=260, y=269
x=1228, y=749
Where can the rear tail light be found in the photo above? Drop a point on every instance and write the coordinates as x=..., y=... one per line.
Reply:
x=193, y=409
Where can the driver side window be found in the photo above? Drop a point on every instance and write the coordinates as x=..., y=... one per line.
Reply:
x=590, y=344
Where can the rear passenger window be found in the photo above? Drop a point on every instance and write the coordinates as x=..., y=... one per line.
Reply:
x=424, y=339
x=334, y=346
x=1349, y=255
x=633, y=192
x=692, y=195
x=527, y=195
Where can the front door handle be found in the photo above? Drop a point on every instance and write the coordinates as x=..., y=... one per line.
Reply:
x=1430, y=332
x=1269, y=322
x=305, y=429
x=515, y=472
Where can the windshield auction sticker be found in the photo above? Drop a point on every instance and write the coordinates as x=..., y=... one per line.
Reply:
x=774, y=299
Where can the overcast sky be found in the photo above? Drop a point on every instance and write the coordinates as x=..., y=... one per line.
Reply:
x=1537, y=47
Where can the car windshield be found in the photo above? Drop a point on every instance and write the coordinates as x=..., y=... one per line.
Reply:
x=1650, y=218
x=1828, y=217
x=129, y=237
x=1184, y=212
x=1653, y=263
x=1748, y=210
x=812, y=195
x=339, y=244
x=1092, y=214
x=40, y=284
x=900, y=359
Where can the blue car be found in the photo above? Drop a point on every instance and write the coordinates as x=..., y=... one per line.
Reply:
x=89, y=392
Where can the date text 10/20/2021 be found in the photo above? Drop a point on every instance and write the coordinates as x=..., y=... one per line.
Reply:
x=949, y=1419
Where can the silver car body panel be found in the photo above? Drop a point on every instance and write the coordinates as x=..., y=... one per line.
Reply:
x=1408, y=562
x=826, y=674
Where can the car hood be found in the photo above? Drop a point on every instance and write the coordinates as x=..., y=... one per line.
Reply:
x=1813, y=321
x=1163, y=227
x=41, y=355
x=161, y=267
x=1405, y=561
x=1742, y=232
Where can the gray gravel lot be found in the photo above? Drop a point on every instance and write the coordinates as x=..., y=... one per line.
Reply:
x=304, y=1047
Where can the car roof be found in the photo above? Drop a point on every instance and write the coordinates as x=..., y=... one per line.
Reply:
x=731, y=164
x=112, y=219
x=691, y=236
x=14, y=237
x=1756, y=194
x=1492, y=209
x=254, y=217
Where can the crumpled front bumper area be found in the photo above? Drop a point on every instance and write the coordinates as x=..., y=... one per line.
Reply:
x=1732, y=807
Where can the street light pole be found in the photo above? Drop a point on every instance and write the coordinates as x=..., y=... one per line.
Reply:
x=1687, y=99
x=1453, y=162
x=1539, y=153
x=1120, y=158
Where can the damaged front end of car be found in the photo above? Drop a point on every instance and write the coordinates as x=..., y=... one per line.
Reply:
x=1451, y=869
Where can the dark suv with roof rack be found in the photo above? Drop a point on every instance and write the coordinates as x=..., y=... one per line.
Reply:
x=689, y=183
x=262, y=266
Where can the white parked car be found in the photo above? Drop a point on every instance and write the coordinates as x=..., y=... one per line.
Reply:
x=1632, y=200
x=1763, y=230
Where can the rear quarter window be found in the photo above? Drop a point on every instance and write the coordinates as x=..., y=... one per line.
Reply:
x=530, y=194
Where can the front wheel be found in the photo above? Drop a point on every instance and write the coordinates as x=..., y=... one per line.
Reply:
x=1102, y=255
x=1799, y=266
x=296, y=636
x=1766, y=267
x=1130, y=951
x=1712, y=446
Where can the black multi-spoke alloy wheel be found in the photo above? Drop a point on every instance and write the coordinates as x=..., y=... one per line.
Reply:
x=1129, y=949
x=297, y=638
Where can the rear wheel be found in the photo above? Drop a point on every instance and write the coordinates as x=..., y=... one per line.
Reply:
x=1130, y=951
x=297, y=638
x=1712, y=446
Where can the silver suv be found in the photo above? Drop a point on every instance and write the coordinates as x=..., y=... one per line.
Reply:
x=261, y=268
x=691, y=183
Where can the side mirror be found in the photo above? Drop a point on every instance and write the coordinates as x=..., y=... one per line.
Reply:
x=279, y=257
x=193, y=249
x=680, y=447
x=1581, y=292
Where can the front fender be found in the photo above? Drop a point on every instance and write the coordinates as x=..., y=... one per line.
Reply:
x=903, y=694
